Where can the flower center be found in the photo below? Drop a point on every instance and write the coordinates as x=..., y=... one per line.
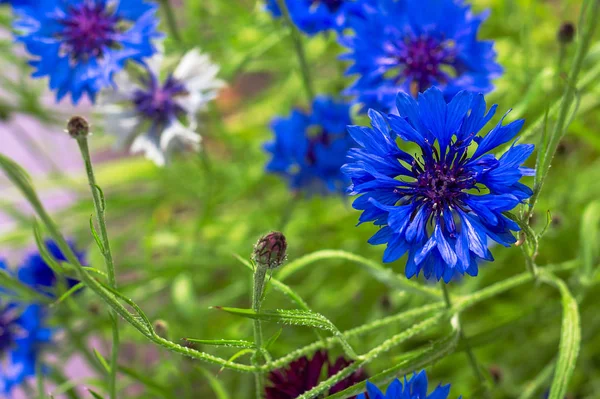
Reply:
x=157, y=102
x=89, y=29
x=321, y=137
x=6, y=330
x=333, y=5
x=442, y=182
x=425, y=61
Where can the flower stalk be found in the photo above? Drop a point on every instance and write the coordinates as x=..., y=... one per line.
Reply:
x=260, y=273
x=299, y=48
x=81, y=136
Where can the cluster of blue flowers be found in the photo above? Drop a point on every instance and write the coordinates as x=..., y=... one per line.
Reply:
x=413, y=388
x=24, y=329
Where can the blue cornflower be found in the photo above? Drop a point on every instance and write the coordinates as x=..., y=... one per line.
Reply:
x=414, y=388
x=23, y=331
x=80, y=44
x=314, y=16
x=440, y=206
x=36, y=273
x=309, y=149
x=411, y=45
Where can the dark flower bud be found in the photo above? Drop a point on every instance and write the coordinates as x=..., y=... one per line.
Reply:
x=496, y=374
x=78, y=127
x=566, y=33
x=270, y=250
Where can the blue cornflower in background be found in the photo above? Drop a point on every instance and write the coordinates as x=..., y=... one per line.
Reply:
x=80, y=44
x=414, y=388
x=411, y=45
x=35, y=272
x=314, y=16
x=23, y=332
x=309, y=149
x=440, y=206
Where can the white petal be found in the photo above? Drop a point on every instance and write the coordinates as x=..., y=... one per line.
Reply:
x=149, y=147
x=177, y=136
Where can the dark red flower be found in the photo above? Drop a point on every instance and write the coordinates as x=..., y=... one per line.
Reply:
x=303, y=374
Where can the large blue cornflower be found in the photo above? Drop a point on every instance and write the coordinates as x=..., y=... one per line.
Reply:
x=411, y=45
x=309, y=149
x=414, y=388
x=36, y=273
x=440, y=206
x=80, y=44
x=314, y=16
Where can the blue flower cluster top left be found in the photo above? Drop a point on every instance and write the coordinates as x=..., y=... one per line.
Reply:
x=80, y=44
x=309, y=149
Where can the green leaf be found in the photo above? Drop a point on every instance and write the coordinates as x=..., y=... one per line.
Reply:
x=43, y=250
x=94, y=394
x=272, y=340
x=238, y=355
x=589, y=237
x=96, y=236
x=537, y=384
x=570, y=338
x=102, y=360
x=215, y=384
x=234, y=343
x=294, y=317
x=148, y=382
x=68, y=294
x=20, y=290
x=102, y=200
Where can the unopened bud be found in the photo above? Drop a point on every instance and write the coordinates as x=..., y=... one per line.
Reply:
x=161, y=328
x=78, y=127
x=566, y=33
x=270, y=250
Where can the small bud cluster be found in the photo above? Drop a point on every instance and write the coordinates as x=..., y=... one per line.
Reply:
x=566, y=33
x=270, y=250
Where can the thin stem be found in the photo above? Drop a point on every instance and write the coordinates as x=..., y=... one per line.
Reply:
x=260, y=274
x=286, y=217
x=299, y=48
x=469, y=351
x=39, y=374
x=99, y=207
x=171, y=21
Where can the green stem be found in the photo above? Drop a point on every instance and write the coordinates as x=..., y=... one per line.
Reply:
x=39, y=374
x=99, y=207
x=299, y=47
x=469, y=351
x=260, y=274
x=171, y=21
x=591, y=9
x=288, y=212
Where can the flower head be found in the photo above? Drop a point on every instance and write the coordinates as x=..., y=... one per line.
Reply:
x=270, y=250
x=81, y=44
x=309, y=149
x=314, y=16
x=414, y=388
x=303, y=374
x=36, y=273
x=155, y=116
x=441, y=205
x=398, y=46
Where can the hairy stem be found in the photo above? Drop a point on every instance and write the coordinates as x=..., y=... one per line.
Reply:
x=99, y=207
x=468, y=350
x=299, y=48
x=258, y=287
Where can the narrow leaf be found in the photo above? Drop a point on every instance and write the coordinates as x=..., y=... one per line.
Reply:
x=570, y=338
x=94, y=394
x=102, y=360
x=224, y=342
x=589, y=236
x=272, y=340
x=96, y=236
x=215, y=384
x=68, y=294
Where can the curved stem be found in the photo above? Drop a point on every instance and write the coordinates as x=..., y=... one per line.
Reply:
x=99, y=207
x=469, y=351
x=299, y=47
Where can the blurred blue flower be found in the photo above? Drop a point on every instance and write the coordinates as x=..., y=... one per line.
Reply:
x=309, y=149
x=442, y=206
x=411, y=45
x=157, y=117
x=36, y=273
x=314, y=16
x=80, y=44
x=23, y=331
x=414, y=388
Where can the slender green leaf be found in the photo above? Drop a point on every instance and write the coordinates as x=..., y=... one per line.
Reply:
x=148, y=382
x=234, y=343
x=94, y=394
x=102, y=200
x=590, y=237
x=102, y=360
x=96, y=236
x=272, y=340
x=295, y=317
x=68, y=294
x=538, y=383
x=215, y=384
x=570, y=338
x=13, y=287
